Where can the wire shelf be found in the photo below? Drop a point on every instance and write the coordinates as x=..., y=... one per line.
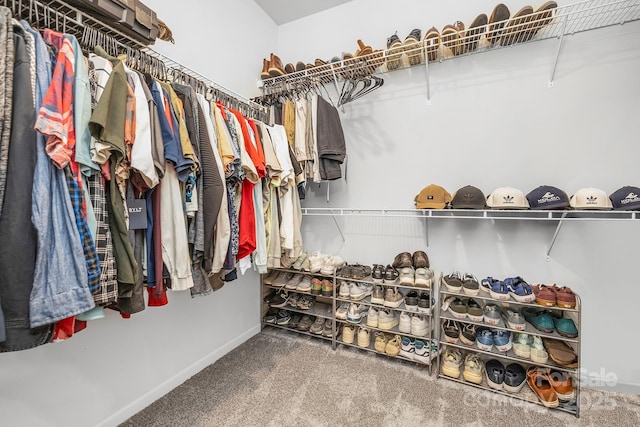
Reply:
x=555, y=23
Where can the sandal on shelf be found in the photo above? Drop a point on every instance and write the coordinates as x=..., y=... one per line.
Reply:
x=560, y=352
x=519, y=290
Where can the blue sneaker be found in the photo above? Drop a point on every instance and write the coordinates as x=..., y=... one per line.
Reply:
x=519, y=289
x=542, y=320
x=566, y=327
x=484, y=339
x=502, y=340
x=495, y=288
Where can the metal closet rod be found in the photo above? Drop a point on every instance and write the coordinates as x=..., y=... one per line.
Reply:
x=64, y=18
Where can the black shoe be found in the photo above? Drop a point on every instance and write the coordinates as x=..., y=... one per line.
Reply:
x=392, y=41
x=414, y=36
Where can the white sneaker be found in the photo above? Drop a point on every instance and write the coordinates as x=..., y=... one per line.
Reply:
x=355, y=313
x=372, y=317
x=424, y=277
x=407, y=276
x=419, y=325
x=357, y=291
x=330, y=264
x=387, y=319
x=348, y=334
x=407, y=347
x=342, y=311
x=364, y=337
x=304, y=285
x=345, y=289
x=315, y=262
x=405, y=323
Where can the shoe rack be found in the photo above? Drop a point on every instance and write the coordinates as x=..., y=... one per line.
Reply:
x=571, y=406
x=556, y=23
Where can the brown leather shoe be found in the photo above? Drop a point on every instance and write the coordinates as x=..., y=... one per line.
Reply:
x=420, y=259
x=289, y=68
x=539, y=382
x=497, y=21
x=450, y=37
x=560, y=352
x=275, y=68
x=265, y=70
x=300, y=66
x=432, y=41
x=542, y=16
x=561, y=383
x=402, y=260
x=516, y=29
x=472, y=36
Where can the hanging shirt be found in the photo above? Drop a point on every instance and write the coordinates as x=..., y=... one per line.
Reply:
x=141, y=156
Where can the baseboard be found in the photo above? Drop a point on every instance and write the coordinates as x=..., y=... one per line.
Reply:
x=619, y=387
x=156, y=393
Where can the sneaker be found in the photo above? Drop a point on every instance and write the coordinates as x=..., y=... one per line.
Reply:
x=283, y=317
x=538, y=352
x=451, y=363
x=451, y=331
x=453, y=281
x=390, y=275
x=305, y=302
x=495, y=371
x=294, y=281
x=377, y=273
x=281, y=279
x=293, y=300
x=360, y=272
x=470, y=285
x=421, y=352
x=295, y=320
x=522, y=345
x=327, y=330
x=317, y=326
x=348, y=334
x=502, y=340
x=484, y=338
x=304, y=285
x=305, y=323
x=419, y=325
x=457, y=308
x=297, y=265
x=515, y=377
x=330, y=264
x=411, y=301
x=342, y=311
x=561, y=382
x=473, y=368
x=407, y=276
x=402, y=260
x=393, y=298
x=355, y=313
x=404, y=325
x=357, y=291
x=267, y=279
x=372, y=317
x=468, y=334
x=519, y=290
x=364, y=337
x=424, y=303
x=387, y=319
x=270, y=317
x=495, y=288
x=377, y=296
x=407, y=348
x=541, y=320
x=345, y=289
x=424, y=277
x=565, y=297
x=474, y=311
x=344, y=272
x=491, y=314
x=420, y=259
x=306, y=265
x=393, y=346
x=315, y=262
x=316, y=286
x=327, y=288
x=380, y=342
x=279, y=300
x=513, y=319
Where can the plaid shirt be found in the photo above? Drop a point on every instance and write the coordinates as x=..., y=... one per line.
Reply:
x=91, y=258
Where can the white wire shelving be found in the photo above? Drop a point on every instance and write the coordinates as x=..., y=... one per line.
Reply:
x=556, y=23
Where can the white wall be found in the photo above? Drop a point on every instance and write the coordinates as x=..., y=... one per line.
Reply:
x=492, y=122
x=116, y=367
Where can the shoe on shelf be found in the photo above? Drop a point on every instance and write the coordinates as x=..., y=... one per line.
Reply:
x=377, y=296
x=453, y=281
x=473, y=368
x=283, y=317
x=304, y=285
x=380, y=341
x=364, y=337
x=538, y=354
x=411, y=301
x=522, y=345
x=330, y=264
x=264, y=74
x=545, y=295
x=565, y=297
x=470, y=285
x=377, y=273
x=387, y=319
x=519, y=290
x=327, y=288
x=424, y=303
x=560, y=352
x=271, y=315
x=297, y=265
x=294, y=281
x=495, y=372
x=327, y=330
x=316, y=286
x=393, y=298
x=497, y=21
x=404, y=324
x=458, y=308
x=541, y=17
x=491, y=314
x=393, y=346
x=344, y=272
x=293, y=300
x=357, y=291
x=515, y=30
x=541, y=320
x=502, y=340
x=394, y=52
x=513, y=319
x=372, y=317
x=451, y=362
x=342, y=311
x=452, y=331
x=295, y=320
x=495, y=288
x=360, y=272
x=287, y=261
x=281, y=279
x=407, y=276
x=451, y=36
x=412, y=47
x=475, y=31
x=423, y=352
x=514, y=378
x=267, y=298
x=305, y=302
x=562, y=384
x=484, y=338
x=407, y=348
x=289, y=68
x=267, y=279
x=423, y=277
x=402, y=260
x=315, y=262
x=317, y=326
x=468, y=334
x=345, y=289
x=565, y=327
x=538, y=381
x=419, y=325
x=390, y=276
x=474, y=311
x=348, y=334
x=420, y=259
x=279, y=300
x=355, y=313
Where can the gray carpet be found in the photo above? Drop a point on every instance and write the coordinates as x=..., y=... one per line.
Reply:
x=278, y=378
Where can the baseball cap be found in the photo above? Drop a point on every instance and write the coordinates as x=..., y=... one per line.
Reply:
x=626, y=199
x=432, y=197
x=468, y=197
x=547, y=197
x=590, y=198
x=507, y=198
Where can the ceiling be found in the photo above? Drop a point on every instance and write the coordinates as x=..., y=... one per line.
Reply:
x=283, y=11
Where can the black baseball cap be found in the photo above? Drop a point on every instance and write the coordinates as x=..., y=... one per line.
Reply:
x=626, y=199
x=548, y=197
x=468, y=197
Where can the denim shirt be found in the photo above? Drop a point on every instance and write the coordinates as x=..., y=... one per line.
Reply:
x=60, y=281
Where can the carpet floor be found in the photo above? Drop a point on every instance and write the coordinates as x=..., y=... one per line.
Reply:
x=278, y=378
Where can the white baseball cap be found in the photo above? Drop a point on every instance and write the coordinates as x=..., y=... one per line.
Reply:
x=507, y=198
x=590, y=198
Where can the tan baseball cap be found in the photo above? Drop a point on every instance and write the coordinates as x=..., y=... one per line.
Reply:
x=432, y=197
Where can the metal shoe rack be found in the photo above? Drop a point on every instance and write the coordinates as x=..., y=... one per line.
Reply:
x=325, y=307
x=560, y=22
x=572, y=406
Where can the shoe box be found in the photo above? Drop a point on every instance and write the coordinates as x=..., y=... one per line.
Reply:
x=131, y=17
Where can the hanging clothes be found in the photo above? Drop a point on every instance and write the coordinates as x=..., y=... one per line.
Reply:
x=330, y=141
